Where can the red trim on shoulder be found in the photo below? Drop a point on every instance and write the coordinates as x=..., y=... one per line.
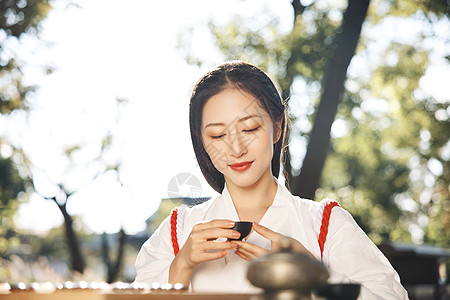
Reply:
x=173, y=230
x=324, y=225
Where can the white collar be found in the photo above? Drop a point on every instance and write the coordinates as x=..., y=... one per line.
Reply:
x=280, y=197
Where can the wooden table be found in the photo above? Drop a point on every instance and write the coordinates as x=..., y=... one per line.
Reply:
x=93, y=295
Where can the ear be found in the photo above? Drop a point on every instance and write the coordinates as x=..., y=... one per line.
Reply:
x=277, y=130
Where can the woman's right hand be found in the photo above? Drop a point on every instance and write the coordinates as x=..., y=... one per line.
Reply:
x=202, y=245
x=249, y=251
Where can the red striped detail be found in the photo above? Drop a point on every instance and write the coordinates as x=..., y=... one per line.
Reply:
x=173, y=230
x=324, y=226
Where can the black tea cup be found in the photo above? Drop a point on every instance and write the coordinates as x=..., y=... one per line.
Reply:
x=243, y=228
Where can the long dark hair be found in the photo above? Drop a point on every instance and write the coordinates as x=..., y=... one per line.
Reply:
x=250, y=79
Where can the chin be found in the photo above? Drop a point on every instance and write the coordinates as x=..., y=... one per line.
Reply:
x=245, y=184
x=243, y=181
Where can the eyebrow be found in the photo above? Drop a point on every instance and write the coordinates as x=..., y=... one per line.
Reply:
x=240, y=120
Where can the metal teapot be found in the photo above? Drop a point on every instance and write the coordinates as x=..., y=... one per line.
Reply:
x=287, y=275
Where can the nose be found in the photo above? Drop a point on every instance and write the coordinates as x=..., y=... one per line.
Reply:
x=236, y=145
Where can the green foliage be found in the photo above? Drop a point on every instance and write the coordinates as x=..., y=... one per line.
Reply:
x=393, y=135
x=437, y=230
x=304, y=51
x=16, y=18
x=11, y=185
x=373, y=157
x=431, y=9
x=19, y=17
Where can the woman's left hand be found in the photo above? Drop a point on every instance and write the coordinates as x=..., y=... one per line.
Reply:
x=249, y=251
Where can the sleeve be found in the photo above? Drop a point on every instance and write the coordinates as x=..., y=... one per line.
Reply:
x=353, y=257
x=156, y=254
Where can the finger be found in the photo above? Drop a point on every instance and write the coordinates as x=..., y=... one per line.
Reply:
x=215, y=223
x=213, y=245
x=254, y=250
x=249, y=255
x=208, y=256
x=214, y=233
x=266, y=232
x=238, y=253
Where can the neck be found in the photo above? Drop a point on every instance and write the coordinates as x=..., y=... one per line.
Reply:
x=251, y=202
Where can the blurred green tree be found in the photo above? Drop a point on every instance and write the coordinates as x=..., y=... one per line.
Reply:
x=113, y=268
x=45, y=255
x=78, y=262
x=17, y=18
x=104, y=164
x=382, y=141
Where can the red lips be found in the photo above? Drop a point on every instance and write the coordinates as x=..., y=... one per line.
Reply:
x=242, y=166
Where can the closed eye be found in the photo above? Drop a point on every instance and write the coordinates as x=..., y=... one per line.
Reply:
x=216, y=137
x=252, y=130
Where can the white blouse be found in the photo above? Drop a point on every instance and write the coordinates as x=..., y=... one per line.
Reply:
x=348, y=253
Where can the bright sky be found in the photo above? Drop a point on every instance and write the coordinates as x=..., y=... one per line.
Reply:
x=105, y=49
x=102, y=50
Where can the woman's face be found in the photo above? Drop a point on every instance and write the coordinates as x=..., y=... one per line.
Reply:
x=238, y=135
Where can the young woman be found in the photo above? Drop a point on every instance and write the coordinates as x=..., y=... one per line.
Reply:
x=237, y=123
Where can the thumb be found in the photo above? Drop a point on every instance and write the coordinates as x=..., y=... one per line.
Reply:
x=273, y=236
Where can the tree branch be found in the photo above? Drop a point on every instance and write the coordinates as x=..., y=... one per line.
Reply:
x=298, y=7
x=309, y=179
